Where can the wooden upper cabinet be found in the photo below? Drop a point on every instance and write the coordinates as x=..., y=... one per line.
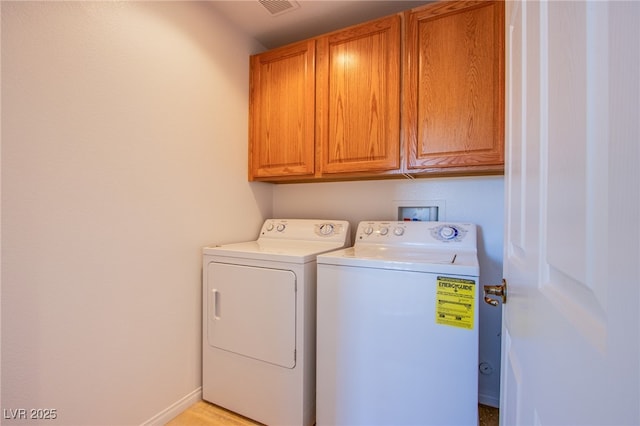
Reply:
x=454, y=87
x=329, y=107
x=358, y=98
x=282, y=112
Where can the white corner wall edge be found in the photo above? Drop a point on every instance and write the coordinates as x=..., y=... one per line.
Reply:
x=175, y=409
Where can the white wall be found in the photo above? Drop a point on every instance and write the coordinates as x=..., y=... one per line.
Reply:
x=124, y=149
x=477, y=200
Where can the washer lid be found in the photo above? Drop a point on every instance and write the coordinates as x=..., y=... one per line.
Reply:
x=462, y=262
x=291, y=251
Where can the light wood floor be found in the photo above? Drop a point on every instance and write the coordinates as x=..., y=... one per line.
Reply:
x=204, y=414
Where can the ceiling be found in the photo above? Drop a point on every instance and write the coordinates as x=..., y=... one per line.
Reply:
x=309, y=19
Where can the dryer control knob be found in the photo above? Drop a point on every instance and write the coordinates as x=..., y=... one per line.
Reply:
x=398, y=231
x=269, y=226
x=368, y=230
x=326, y=229
x=280, y=227
x=384, y=230
x=448, y=232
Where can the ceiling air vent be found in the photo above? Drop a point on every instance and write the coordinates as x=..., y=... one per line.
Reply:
x=278, y=7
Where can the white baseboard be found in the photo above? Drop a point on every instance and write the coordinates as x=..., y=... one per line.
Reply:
x=174, y=409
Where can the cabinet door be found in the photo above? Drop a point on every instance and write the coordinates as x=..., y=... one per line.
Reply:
x=358, y=92
x=454, y=87
x=281, y=111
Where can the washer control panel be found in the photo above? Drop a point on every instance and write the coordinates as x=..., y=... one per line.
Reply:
x=436, y=233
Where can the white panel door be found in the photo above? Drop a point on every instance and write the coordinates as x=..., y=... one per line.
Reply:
x=571, y=324
x=251, y=312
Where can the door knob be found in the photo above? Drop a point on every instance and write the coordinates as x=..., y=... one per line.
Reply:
x=496, y=290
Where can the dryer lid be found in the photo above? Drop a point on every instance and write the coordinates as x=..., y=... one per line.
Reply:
x=289, y=240
x=275, y=250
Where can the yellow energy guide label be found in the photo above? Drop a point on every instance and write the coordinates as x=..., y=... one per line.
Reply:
x=455, y=302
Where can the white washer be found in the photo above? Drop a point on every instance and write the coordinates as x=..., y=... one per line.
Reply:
x=398, y=327
x=259, y=306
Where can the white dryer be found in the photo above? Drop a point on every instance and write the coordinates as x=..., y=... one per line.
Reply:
x=259, y=312
x=398, y=327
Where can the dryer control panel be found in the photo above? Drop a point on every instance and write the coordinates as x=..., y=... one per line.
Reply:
x=417, y=233
x=305, y=229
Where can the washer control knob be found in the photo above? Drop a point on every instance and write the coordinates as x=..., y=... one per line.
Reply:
x=280, y=227
x=448, y=232
x=270, y=226
x=368, y=230
x=326, y=229
x=398, y=231
x=384, y=230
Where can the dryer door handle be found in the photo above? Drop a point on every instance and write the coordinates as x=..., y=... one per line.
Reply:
x=214, y=304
